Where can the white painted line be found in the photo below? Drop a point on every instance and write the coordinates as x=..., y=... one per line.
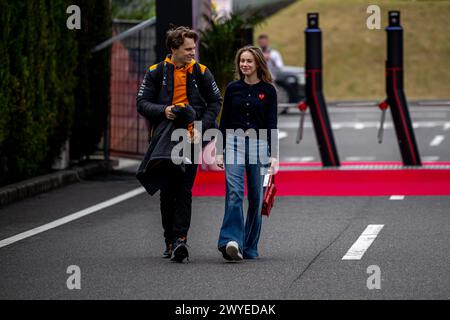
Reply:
x=293, y=125
x=367, y=125
x=353, y=104
x=363, y=109
x=430, y=158
x=301, y=159
x=429, y=124
x=336, y=126
x=437, y=140
x=360, y=158
x=71, y=217
x=434, y=103
x=397, y=198
x=306, y=159
x=418, y=116
x=282, y=135
x=363, y=243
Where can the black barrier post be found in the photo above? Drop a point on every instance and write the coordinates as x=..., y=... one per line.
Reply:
x=314, y=95
x=170, y=13
x=395, y=93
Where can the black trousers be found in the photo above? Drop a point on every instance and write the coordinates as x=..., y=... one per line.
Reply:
x=176, y=203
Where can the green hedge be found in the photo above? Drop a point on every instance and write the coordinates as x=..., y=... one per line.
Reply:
x=40, y=75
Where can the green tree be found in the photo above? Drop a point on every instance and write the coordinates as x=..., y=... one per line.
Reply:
x=220, y=41
x=133, y=9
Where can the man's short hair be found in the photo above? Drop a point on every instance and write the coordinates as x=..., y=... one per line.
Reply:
x=175, y=37
x=263, y=36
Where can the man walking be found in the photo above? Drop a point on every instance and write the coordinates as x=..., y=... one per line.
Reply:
x=272, y=56
x=178, y=82
x=273, y=59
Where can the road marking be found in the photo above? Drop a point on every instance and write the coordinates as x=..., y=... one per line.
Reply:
x=72, y=217
x=361, y=107
x=301, y=159
x=397, y=198
x=430, y=158
x=306, y=159
x=367, y=125
x=437, y=140
x=434, y=103
x=429, y=115
x=363, y=243
x=336, y=126
x=282, y=135
x=360, y=158
x=353, y=104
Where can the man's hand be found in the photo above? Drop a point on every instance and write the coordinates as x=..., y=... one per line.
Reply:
x=219, y=161
x=169, y=114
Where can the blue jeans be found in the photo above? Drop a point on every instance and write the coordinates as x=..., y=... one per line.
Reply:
x=241, y=157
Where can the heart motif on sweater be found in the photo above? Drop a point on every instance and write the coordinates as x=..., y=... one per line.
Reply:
x=261, y=96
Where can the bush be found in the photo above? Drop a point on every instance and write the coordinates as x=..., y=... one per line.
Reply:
x=37, y=86
x=220, y=42
x=39, y=75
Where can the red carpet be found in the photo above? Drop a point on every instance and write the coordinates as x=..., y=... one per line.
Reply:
x=335, y=182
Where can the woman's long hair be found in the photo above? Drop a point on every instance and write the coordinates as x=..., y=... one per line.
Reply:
x=262, y=70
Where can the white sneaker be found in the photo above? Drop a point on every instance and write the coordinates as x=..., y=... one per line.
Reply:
x=232, y=250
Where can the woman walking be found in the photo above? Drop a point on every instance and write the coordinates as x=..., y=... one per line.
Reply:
x=250, y=107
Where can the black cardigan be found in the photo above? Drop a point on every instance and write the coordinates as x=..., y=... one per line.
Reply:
x=249, y=107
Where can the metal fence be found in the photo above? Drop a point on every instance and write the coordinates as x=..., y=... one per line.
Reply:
x=133, y=51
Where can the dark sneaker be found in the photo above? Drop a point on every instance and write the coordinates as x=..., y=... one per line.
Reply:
x=168, y=252
x=224, y=254
x=232, y=249
x=180, y=251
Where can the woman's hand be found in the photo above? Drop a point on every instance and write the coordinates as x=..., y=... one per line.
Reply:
x=196, y=138
x=219, y=161
x=273, y=165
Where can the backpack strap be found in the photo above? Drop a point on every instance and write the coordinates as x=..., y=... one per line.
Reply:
x=198, y=72
x=159, y=69
x=157, y=82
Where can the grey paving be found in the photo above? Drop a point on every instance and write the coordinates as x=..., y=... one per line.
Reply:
x=118, y=249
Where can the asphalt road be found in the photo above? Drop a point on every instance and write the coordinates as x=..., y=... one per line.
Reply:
x=355, y=132
x=118, y=248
